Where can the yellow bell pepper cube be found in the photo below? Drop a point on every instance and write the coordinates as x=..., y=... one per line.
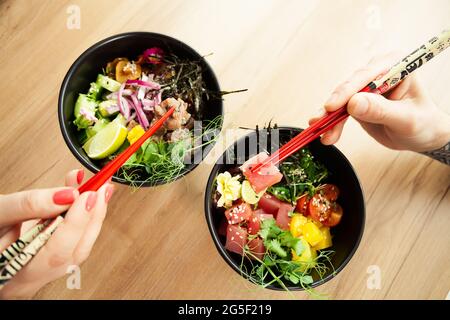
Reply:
x=312, y=233
x=297, y=222
x=135, y=133
x=317, y=223
x=326, y=241
x=307, y=259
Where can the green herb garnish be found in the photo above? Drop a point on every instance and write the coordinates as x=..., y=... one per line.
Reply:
x=162, y=161
x=273, y=270
x=279, y=241
x=302, y=174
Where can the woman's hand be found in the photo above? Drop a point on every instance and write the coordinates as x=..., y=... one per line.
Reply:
x=405, y=118
x=69, y=245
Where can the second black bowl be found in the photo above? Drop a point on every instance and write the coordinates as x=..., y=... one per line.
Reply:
x=346, y=235
x=85, y=69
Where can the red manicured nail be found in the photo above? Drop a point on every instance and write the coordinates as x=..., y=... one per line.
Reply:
x=108, y=193
x=80, y=176
x=63, y=197
x=91, y=200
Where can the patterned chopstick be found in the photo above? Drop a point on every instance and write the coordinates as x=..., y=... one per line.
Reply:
x=394, y=76
x=21, y=251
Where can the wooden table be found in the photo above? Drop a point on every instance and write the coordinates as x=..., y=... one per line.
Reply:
x=290, y=55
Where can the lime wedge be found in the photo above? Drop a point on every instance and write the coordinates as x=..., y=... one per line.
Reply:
x=248, y=194
x=106, y=141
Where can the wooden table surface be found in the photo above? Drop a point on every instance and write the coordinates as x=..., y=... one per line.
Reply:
x=290, y=55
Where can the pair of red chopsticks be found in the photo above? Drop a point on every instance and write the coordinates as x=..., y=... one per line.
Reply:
x=20, y=253
x=307, y=136
x=380, y=85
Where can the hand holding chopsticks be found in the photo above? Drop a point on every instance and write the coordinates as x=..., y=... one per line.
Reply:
x=380, y=85
x=69, y=245
x=20, y=252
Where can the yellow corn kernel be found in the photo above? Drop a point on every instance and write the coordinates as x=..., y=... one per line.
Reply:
x=297, y=222
x=135, y=133
x=312, y=233
x=326, y=241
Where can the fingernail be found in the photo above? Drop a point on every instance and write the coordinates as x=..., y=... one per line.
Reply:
x=332, y=99
x=109, y=192
x=80, y=176
x=91, y=200
x=63, y=197
x=361, y=106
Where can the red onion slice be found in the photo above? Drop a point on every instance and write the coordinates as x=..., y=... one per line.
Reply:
x=153, y=55
x=158, y=98
x=142, y=89
x=148, y=84
x=122, y=103
x=142, y=118
x=148, y=104
x=113, y=95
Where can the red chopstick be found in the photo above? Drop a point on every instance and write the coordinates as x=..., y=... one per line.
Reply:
x=306, y=139
x=21, y=251
x=380, y=85
x=291, y=145
x=96, y=181
x=308, y=135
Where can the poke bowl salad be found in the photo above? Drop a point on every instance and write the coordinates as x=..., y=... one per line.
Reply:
x=130, y=92
x=281, y=227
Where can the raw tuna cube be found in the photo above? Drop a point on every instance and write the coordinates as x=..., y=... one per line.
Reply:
x=238, y=213
x=265, y=177
x=254, y=223
x=256, y=247
x=236, y=239
x=283, y=218
x=270, y=204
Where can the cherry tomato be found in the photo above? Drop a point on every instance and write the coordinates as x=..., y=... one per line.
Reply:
x=335, y=215
x=329, y=191
x=302, y=204
x=319, y=208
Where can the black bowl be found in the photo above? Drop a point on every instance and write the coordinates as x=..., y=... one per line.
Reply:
x=346, y=235
x=90, y=63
